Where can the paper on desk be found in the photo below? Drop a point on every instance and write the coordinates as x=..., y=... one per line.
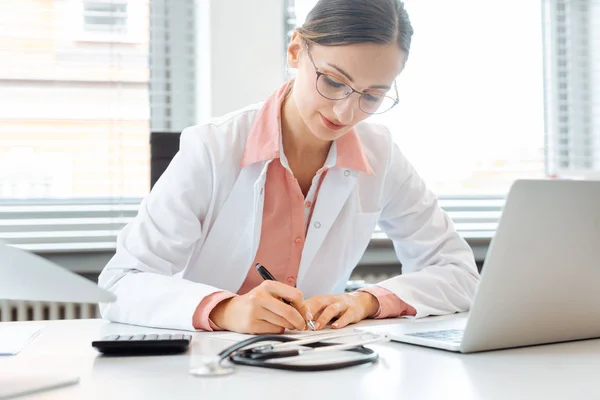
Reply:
x=237, y=337
x=14, y=338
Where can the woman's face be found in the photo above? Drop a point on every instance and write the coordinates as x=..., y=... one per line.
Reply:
x=366, y=67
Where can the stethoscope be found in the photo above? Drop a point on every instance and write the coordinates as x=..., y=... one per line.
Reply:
x=262, y=350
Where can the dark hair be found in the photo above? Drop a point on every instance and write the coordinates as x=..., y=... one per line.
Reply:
x=345, y=22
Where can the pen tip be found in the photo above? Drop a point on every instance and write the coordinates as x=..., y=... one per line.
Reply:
x=311, y=325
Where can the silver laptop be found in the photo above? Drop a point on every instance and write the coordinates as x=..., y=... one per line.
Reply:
x=26, y=276
x=540, y=281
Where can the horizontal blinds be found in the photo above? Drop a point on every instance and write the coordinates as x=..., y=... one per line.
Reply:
x=172, y=65
x=473, y=121
x=74, y=121
x=50, y=226
x=65, y=225
x=458, y=120
x=572, y=41
x=73, y=138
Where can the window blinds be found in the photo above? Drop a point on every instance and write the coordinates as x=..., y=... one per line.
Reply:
x=75, y=113
x=172, y=65
x=472, y=86
x=572, y=76
x=74, y=121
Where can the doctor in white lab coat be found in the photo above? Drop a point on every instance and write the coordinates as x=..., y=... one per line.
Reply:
x=300, y=180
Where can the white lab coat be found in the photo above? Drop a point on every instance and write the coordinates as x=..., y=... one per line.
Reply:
x=198, y=231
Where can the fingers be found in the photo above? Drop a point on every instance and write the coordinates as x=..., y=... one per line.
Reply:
x=274, y=319
x=331, y=311
x=317, y=304
x=285, y=311
x=245, y=315
x=305, y=312
x=283, y=291
x=262, y=327
x=297, y=313
x=345, y=319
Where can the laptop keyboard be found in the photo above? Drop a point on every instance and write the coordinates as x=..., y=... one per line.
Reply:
x=447, y=335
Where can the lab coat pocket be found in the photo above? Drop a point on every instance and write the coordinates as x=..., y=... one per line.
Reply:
x=360, y=233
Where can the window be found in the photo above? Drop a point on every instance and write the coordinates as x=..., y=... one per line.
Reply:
x=97, y=76
x=573, y=85
x=74, y=123
x=172, y=65
x=472, y=109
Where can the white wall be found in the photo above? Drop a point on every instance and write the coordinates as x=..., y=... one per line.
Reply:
x=245, y=40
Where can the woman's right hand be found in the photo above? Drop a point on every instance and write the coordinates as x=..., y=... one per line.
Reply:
x=262, y=311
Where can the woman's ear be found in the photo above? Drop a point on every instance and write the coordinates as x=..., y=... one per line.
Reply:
x=294, y=49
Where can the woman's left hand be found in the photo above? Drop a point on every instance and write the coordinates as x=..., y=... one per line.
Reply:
x=348, y=308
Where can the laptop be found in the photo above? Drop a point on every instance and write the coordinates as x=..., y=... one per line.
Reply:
x=26, y=276
x=540, y=280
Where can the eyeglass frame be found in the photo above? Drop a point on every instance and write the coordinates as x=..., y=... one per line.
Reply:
x=319, y=74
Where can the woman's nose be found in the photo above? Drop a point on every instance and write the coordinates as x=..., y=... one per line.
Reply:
x=344, y=109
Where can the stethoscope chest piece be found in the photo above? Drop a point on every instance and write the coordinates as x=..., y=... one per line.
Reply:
x=212, y=366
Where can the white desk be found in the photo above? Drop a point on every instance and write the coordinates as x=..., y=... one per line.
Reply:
x=558, y=371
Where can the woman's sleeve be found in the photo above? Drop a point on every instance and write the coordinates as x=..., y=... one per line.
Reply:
x=153, y=249
x=439, y=274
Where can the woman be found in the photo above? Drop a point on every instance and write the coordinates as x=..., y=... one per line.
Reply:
x=296, y=184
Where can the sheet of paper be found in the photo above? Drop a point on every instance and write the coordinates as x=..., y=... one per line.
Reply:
x=236, y=337
x=14, y=338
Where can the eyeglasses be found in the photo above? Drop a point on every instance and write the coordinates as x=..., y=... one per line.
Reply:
x=332, y=88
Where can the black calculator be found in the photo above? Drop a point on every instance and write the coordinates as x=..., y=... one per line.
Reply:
x=140, y=344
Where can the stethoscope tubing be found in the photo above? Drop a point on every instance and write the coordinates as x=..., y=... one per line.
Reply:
x=263, y=356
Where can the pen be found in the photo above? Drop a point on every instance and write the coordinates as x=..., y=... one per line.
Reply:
x=266, y=275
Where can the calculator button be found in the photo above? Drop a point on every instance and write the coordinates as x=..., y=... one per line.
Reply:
x=164, y=336
x=124, y=337
x=138, y=337
x=151, y=337
x=178, y=336
x=111, y=337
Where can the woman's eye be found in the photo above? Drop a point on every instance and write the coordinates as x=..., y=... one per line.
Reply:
x=333, y=83
x=372, y=98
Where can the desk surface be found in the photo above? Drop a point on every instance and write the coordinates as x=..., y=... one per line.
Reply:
x=558, y=371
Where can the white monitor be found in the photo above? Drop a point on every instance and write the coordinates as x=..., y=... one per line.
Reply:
x=26, y=276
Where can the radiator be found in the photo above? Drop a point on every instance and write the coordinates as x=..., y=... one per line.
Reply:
x=38, y=311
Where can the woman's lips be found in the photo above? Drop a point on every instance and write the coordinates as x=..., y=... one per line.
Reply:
x=331, y=125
